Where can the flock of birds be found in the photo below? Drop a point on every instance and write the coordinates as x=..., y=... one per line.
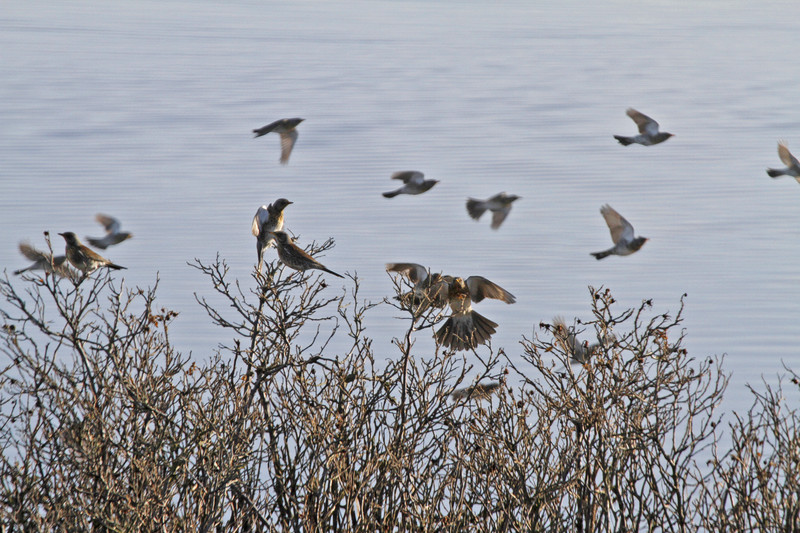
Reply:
x=464, y=329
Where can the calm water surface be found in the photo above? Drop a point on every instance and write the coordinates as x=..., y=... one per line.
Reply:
x=144, y=109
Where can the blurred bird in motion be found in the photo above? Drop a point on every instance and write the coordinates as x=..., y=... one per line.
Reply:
x=466, y=329
x=648, y=130
x=82, y=257
x=267, y=219
x=625, y=242
x=113, y=235
x=429, y=290
x=414, y=182
x=285, y=127
x=295, y=257
x=792, y=165
x=44, y=261
x=579, y=352
x=499, y=205
x=479, y=391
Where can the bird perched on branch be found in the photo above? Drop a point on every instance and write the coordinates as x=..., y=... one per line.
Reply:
x=479, y=391
x=82, y=257
x=267, y=219
x=44, y=261
x=648, y=130
x=499, y=205
x=285, y=127
x=295, y=257
x=625, y=242
x=792, y=165
x=429, y=290
x=579, y=352
x=414, y=182
x=113, y=235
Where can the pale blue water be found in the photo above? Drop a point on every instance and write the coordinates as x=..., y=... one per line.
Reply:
x=144, y=109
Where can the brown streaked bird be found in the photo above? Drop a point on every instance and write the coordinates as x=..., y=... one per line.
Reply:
x=113, y=235
x=285, y=127
x=82, y=257
x=429, y=290
x=499, y=205
x=44, y=261
x=579, y=352
x=414, y=182
x=479, y=391
x=648, y=130
x=466, y=329
x=792, y=165
x=625, y=242
x=268, y=218
x=295, y=257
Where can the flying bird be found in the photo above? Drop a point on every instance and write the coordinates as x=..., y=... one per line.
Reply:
x=625, y=243
x=429, y=290
x=44, y=261
x=113, y=235
x=295, y=257
x=648, y=130
x=82, y=257
x=792, y=165
x=499, y=205
x=414, y=182
x=267, y=219
x=286, y=128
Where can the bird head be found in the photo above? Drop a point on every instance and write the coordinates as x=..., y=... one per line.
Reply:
x=638, y=242
x=281, y=203
x=70, y=237
x=280, y=236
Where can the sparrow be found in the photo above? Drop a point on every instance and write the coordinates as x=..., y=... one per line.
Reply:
x=113, y=233
x=479, y=391
x=648, y=130
x=414, y=182
x=430, y=289
x=44, y=261
x=82, y=257
x=621, y=233
x=295, y=257
x=466, y=329
x=579, y=352
x=499, y=205
x=268, y=218
x=792, y=165
x=286, y=128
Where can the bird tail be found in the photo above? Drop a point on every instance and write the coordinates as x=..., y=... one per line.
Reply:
x=465, y=332
x=601, y=255
x=624, y=141
x=775, y=173
x=475, y=208
x=115, y=267
x=332, y=272
x=21, y=270
x=391, y=194
x=259, y=133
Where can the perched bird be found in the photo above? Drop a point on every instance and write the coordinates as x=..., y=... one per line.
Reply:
x=499, y=205
x=430, y=289
x=44, y=261
x=113, y=233
x=479, y=391
x=414, y=182
x=625, y=243
x=295, y=257
x=82, y=257
x=579, y=352
x=792, y=165
x=286, y=128
x=268, y=218
x=466, y=329
x=648, y=130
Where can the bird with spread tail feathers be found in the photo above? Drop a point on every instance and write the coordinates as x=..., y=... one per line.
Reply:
x=429, y=290
x=285, y=127
x=82, y=257
x=648, y=131
x=499, y=205
x=625, y=242
x=792, y=165
x=295, y=257
x=414, y=182
x=267, y=219
x=44, y=261
x=114, y=233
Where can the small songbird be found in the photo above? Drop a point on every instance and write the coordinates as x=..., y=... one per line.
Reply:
x=113, y=233
x=792, y=165
x=286, y=128
x=648, y=130
x=414, y=182
x=499, y=205
x=295, y=257
x=44, y=261
x=82, y=257
x=479, y=391
x=268, y=218
x=625, y=243
x=579, y=352
x=466, y=329
x=430, y=289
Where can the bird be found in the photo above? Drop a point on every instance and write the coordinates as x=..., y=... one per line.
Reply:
x=579, y=352
x=430, y=289
x=414, y=182
x=82, y=257
x=625, y=243
x=479, y=391
x=295, y=257
x=466, y=329
x=792, y=165
x=113, y=234
x=286, y=128
x=268, y=218
x=44, y=261
x=499, y=205
x=648, y=130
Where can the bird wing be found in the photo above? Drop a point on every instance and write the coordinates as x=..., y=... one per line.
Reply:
x=288, y=139
x=786, y=156
x=32, y=253
x=413, y=271
x=261, y=216
x=406, y=176
x=111, y=224
x=621, y=229
x=480, y=288
x=646, y=124
x=499, y=216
